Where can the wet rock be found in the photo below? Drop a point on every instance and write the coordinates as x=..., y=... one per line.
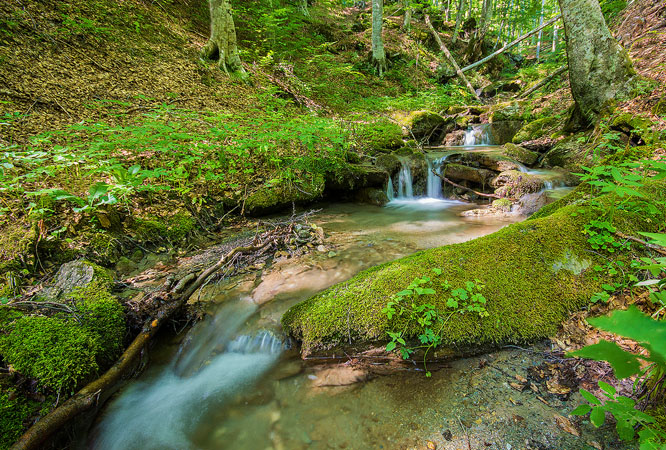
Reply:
x=73, y=275
x=522, y=155
x=508, y=111
x=530, y=203
x=503, y=131
x=488, y=161
x=460, y=172
x=287, y=370
x=355, y=177
x=372, y=196
x=567, y=153
x=456, y=137
x=125, y=265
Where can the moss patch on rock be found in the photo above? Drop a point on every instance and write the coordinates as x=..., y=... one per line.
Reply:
x=64, y=350
x=520, y=154
x=380, y=136
x=536, y=129
x=526, y=268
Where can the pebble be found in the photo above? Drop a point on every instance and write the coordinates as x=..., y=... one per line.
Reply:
x=331, y=254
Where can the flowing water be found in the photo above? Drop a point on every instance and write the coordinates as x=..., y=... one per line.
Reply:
x=233, y=383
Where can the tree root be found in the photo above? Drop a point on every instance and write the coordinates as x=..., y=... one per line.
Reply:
x=453, y=183
x=173, y=296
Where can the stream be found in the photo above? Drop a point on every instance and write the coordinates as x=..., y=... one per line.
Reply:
x=234, y=382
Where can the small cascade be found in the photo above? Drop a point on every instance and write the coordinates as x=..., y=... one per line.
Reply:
x=262, y=342
x=478, y=135
x=405, y=182
x=434, y=183
x=389, y=189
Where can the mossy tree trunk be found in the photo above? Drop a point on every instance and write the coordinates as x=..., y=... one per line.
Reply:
x=378, y=54
x=222, y=45
x=599, y=68
x=459, y=17
x=303, y=7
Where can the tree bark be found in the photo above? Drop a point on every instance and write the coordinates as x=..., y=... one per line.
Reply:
x=448, y=55
x=538, y=49
x=378, y=54
x=222, y=45
x=303, y=7
x=599, y=68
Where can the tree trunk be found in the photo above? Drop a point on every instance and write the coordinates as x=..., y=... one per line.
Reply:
x=538, y=51
x=599, y=68
x=407, y=23
x=555, y=38
x=378, y=54
x=222, y=44
x=459, y=16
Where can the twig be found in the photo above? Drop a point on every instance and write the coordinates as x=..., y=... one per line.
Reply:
x=469, y=444
x=657, y=248
x=463, y=187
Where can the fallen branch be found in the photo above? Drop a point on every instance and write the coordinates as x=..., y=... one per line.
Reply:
x=511, y=44
x=543, y=82
x=657, y=248
x=448, y=55
x=452, y=183
x=173, y=296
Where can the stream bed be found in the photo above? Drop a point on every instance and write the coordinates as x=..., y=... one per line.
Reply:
x=234, y=382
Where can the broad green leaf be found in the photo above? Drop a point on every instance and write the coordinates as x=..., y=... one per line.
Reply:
x=581, y=410
x=656, y=238
x=597, y=416
x=390, y=346
x=637, y=326
x=590, y=397
x=624, y=430
x=607, y=388
x=624, y=363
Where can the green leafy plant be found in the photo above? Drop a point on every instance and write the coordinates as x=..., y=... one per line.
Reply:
x=412, y=308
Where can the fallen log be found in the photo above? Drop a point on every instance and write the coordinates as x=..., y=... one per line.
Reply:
x=173, y=297
x=453, y=62
x=453, y=183
x=511, y=44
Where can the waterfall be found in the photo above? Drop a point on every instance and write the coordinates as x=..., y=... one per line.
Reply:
x=405, y=187
x=389, y=189
x=434, y=184
x=478, y=135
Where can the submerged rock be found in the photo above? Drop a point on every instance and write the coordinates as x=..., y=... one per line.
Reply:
x=372, y=196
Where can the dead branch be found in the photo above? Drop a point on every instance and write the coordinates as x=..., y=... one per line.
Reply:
x=657, y=248
x=453, y=183
x=511, y=44
x=448, y=55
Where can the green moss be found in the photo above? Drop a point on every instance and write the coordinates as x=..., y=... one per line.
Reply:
x=16, y=242
x=381, y=135
x=503, y=204
x=520, y=154
x=533, y=274
x=15, y=413
x=63, y=351
x=535, y=129
x=281, y=193
x=635, y=125
x=173, y=228
x=515, y=184
x=629, y=154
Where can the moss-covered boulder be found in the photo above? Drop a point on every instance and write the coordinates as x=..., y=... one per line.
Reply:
x=390, y=163
x=520, y=154
x=66, y=347
x=514, y=110
x=379, y=136
x=503, y=131
x=280, y=194
x=568, y=153
x=75, y=275
x=427, y=126
x=515, y=184
x=536, y=129
x=460, y=172
x=170, y=226
x=354, y=177
x=534, y=272
x=638, y=127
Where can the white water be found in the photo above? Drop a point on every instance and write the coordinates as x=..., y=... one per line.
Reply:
x=478, y=135
x=389, y=189
x=405, y=183
x=159, y=411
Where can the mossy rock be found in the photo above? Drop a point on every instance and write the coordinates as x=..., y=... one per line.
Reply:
x=17, y=241
x=173, y=227
x=282, y=193
x=634, y=125
x=660, y=108
x=503, y=204
x=515, y=184
x=535, y=273
x=75, y=275
x=519, y=154
x=427, y=126
x=16, y=412
x=63, y=351
x=536, y=129
x=354, y=177
x=389, y=163
x=513, y=110
x=568, y=153
x=380, y=136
